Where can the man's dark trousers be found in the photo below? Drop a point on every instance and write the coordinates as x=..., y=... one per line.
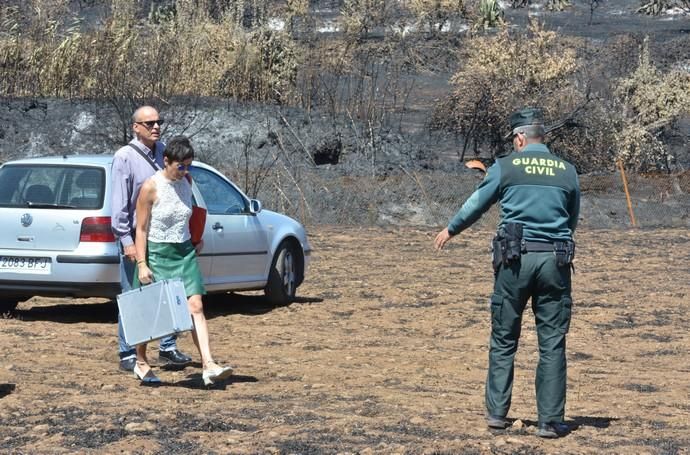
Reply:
x=534, y=275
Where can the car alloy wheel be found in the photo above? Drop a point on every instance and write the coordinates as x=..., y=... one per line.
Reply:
x=288, y=273
x=282, y=277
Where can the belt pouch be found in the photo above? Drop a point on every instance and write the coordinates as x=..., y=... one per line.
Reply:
x=513, y=239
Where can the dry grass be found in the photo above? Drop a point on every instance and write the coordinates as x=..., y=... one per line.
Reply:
x=650, y=101
x=225, y=48
x=656, y=7
x=503, y=72
x=187, y=54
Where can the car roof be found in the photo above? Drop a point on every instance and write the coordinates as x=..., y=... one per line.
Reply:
x=99, y=160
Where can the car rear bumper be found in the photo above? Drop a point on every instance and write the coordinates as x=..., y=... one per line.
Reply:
x=77, y=259
x=71, y=275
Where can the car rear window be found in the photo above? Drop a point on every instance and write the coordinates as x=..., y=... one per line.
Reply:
x=52, y=186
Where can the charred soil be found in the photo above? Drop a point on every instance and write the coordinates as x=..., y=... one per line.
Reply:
x=385, y=351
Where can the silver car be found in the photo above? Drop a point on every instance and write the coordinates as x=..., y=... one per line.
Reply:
x=57, y=240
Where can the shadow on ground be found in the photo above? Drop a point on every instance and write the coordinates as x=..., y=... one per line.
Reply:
x=589, y=421
x=576, y=422
x=194, y=381
x=72, y=311
x=248, y=305
x=6, y=389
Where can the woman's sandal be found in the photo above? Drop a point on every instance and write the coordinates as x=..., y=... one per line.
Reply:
x=146, y=379
x=213, y=375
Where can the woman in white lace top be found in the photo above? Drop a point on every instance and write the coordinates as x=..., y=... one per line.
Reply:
x=164, y=249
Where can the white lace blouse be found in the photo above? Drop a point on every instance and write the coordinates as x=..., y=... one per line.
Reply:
x=171, y=211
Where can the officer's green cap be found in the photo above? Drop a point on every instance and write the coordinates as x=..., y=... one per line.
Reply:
x=529, y=116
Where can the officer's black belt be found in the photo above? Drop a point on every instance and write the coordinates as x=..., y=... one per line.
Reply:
x=536, y=247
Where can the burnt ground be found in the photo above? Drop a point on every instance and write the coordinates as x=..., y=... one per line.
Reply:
x=385, y=351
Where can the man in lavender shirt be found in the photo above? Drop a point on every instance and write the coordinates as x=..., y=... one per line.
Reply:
x=130, y=170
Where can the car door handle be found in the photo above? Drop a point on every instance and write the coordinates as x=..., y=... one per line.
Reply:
x=217, y=226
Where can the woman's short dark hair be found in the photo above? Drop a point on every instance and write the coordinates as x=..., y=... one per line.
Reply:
x=178, y=149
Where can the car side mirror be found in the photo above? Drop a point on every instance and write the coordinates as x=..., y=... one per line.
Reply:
x=254, y=206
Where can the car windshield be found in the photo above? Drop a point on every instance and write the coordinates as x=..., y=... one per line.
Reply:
x=51, y=186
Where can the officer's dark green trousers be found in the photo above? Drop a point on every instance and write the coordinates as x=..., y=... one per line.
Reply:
x=535, y=275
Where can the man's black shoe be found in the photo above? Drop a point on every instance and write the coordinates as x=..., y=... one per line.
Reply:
x=128, y=364
x=552, y=430
x=173, y=359
x=497, y=422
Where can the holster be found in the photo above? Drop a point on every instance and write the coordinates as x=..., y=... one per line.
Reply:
x=564, y=251
x=507, y=245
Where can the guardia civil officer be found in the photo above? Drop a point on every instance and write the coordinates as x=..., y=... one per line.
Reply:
x=539, y=196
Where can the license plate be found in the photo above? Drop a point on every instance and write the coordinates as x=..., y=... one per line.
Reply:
x=15, y=264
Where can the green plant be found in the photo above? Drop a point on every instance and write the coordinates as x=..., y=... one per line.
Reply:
x=489, y=14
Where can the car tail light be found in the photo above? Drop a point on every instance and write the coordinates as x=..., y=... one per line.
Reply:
x=96, y=229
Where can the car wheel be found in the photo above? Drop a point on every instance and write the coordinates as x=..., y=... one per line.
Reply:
x=282, y=277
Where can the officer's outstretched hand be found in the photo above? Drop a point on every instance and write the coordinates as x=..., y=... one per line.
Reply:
x=442, y=238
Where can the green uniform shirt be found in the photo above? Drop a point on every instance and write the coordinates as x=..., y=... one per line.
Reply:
x=534, y=188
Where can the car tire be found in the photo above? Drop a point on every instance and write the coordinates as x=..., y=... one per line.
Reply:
x=283, y=275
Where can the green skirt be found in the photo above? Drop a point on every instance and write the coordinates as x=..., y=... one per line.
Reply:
x=175, y=260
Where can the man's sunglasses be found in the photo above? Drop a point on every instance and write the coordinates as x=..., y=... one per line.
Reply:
x=183, y=167
x=151, y=123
